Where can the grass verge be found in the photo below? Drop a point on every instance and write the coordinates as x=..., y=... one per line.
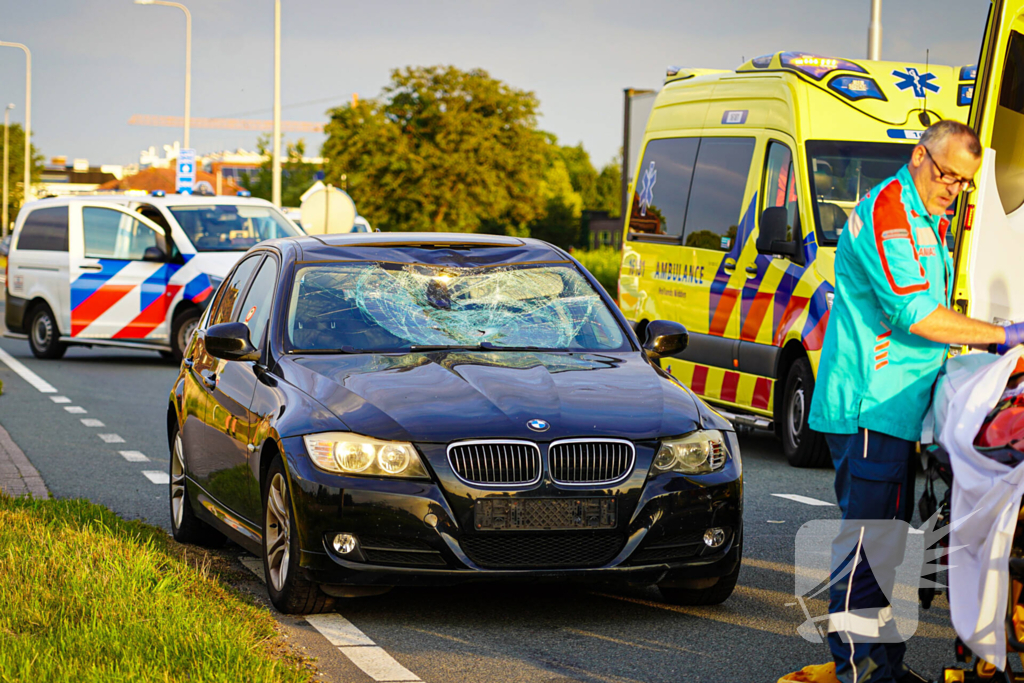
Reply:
x=88, y=596
x=604, y=264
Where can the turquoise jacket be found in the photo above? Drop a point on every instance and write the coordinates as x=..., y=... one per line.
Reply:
x=892, y=270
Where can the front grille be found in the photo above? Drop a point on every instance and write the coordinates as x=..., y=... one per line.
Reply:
x=495, y=463
x=399, y=551
x=542, y=551
x=586, y=461
x=678, y=547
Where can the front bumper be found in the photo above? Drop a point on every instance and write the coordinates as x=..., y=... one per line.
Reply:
x=416, y=533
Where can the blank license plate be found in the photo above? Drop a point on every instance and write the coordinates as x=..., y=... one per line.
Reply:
x=544, y=514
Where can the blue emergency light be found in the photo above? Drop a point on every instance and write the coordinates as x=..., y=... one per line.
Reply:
x=157, y=193
x=243, y=193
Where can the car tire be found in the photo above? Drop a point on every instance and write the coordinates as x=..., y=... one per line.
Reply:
x=182, y=328
x=44, y=335
x=715, y=594
x=803, y=446
x=290, y=591
x=185, y=526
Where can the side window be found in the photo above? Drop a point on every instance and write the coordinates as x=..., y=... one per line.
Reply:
x=716, y=197
x=1008, y=128
x=115, y=235
x=255, y=310
x=663, y=189
x=45, y=230
x=228, y=305
x=780, y=185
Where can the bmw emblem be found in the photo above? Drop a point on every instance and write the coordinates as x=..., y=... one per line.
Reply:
x=538, y=425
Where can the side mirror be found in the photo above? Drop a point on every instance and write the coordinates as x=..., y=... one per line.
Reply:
x=154, y=254
x=771, y=235
x=230, y=341
x=665, y=338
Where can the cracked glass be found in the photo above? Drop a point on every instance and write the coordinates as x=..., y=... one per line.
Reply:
x=365, y=307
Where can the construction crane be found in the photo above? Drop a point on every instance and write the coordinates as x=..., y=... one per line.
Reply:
x=226, y=124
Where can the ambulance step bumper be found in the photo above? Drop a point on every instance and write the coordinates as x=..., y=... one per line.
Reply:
x=755, y=421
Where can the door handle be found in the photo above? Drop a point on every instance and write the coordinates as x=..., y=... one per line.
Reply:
x=188, y=362
x=751, y=271
x=89, y=266
x=210, y=380
x=729, y=265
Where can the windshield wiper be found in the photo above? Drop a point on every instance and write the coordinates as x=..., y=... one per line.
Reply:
x=483, y=346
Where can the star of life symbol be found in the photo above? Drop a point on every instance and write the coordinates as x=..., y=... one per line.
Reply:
x=647, y=188
x=913, y=79
x=901, y=558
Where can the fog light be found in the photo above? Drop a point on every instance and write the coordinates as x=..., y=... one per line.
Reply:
x=346, y=543
x=713, y=538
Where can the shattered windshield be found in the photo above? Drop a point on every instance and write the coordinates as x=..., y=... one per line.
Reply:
x=363, y=307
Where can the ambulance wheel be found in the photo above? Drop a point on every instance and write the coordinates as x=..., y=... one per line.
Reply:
x=182, y=328
x=803, y=446
x=43, y=335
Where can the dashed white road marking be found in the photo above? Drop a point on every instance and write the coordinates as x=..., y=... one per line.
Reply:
x=60, y=399
x=92, y=422
x=134, y=456
x=76, y=410
x=111, y=438
x=26, y=374
x=157, y=477
x=350, y=641
x=804, y=499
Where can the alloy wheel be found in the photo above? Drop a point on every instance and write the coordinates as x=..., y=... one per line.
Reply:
x=177, y=482
x=797, y=410
x=277, y=532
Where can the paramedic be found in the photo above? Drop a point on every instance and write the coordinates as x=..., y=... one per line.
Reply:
x=886, y=340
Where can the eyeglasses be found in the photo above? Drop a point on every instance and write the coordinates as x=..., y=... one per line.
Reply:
x=949, y=178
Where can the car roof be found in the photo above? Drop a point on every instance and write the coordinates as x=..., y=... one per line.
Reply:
x=166, y=200
x=436, y=248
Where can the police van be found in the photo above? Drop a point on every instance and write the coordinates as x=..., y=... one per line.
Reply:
x=744, y=185
x=126, y=270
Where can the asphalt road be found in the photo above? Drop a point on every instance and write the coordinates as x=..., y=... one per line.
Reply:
x=530, y=633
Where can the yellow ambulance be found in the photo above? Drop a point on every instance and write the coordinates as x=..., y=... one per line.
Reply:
x=790, y=139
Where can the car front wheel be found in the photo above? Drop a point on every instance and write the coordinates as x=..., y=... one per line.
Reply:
x=705, y=591
x=290, y=592
x=43, y=335
x=803, y=446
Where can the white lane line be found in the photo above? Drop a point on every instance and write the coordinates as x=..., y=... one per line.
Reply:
x=111, y=438
x=134, y=456
x=76, y=410
x=804, y=499
x=92, y=422
x=339, y=630
x=157, y=477
x=378, y=664
x=60, y=399
x=26, y=374
x=360, y=649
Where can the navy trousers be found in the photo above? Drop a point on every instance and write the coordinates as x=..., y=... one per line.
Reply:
x=874, y=481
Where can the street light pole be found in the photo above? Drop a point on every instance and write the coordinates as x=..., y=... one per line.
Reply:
x=3, y=212
x=275, y=173
x=875, y=31
x=28, y=120
x=188, y=59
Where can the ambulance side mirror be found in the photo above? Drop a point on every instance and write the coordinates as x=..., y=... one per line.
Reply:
x=665, y=338
x=771, y=236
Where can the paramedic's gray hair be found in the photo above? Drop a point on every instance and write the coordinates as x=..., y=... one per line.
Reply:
x=937, y=133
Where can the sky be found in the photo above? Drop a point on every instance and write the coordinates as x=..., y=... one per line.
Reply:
x=98, y=62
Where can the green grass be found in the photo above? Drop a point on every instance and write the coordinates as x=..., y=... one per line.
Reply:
x=604, y=264
x=88, y=596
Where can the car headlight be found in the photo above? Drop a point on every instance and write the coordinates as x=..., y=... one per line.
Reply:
x=699, y=452
x=347, y=453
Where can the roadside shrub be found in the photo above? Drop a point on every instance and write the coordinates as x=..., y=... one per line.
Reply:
x=604, y=264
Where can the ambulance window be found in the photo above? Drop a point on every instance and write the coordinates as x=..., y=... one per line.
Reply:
x=116, y=235
x=1008, y=128
x=662, y=190
x=716, y=197
x=780, y=185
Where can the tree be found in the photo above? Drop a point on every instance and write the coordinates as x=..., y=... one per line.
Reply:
x=441, y=149
x=563, y=205
x=608, y=189
x=296, y=175
x=16, y=168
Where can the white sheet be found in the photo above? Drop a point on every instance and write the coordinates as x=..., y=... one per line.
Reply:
x=985, y=502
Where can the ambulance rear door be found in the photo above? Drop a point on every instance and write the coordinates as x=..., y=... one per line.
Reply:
x=990, y=276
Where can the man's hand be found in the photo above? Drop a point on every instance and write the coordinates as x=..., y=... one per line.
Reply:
x=1014, y=336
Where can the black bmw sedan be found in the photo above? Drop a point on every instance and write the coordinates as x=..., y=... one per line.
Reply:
x=374, y=410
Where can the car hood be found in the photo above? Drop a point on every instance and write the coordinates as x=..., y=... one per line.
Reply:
x=447, y=396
